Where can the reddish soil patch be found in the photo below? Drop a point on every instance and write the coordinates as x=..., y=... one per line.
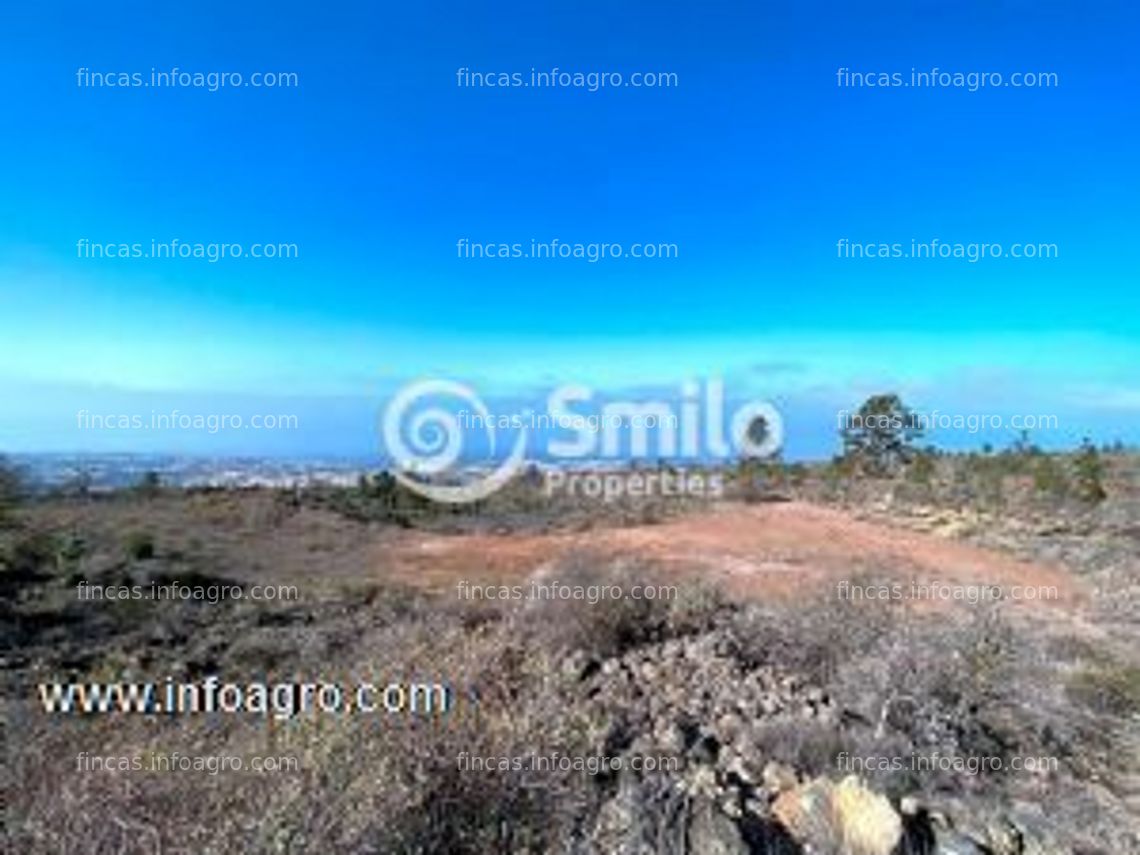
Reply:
x=779, y=549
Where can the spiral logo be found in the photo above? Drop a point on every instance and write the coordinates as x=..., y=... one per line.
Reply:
x=428, y=441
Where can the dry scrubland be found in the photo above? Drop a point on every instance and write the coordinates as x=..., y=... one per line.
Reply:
x=754, y=695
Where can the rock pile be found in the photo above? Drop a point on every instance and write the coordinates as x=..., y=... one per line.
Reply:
x=698, y=700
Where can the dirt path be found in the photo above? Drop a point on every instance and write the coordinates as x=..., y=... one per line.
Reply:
x=780, y=549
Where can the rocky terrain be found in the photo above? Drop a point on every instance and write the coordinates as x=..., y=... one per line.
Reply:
x=777, y=716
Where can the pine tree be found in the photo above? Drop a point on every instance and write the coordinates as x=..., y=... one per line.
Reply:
x=880, y=437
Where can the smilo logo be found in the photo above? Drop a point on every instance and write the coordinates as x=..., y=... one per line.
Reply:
x=437, y=439
x=436, y=435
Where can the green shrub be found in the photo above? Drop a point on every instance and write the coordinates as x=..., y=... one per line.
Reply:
x=70, y=550
x=12, y=489
x=1049, y=477
x=140, y=546
x=30, y=552
x=1109, y=688
x=1089, y=473
x=922, y=469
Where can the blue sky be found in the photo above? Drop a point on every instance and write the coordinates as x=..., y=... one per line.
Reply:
x=754, y=165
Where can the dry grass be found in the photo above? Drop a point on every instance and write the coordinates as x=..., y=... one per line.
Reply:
x=903, y=682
